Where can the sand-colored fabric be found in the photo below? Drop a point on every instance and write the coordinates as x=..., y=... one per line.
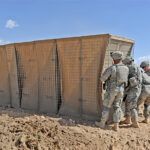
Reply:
x=28, y=75
x=4, y=79
x=46, y=57
x=13, y=78
x=69, y=65
x=93, y=53
x=81, y=63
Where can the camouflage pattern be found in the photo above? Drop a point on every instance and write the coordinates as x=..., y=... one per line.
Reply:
x=145, y=97
x=116, y=55
x=131, y=102
x=148, y=73
x=144, y=64
x=133, y=92
x=127, y=60
x=114, y=93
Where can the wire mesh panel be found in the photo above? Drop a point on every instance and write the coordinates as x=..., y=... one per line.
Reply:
x=4, y=79
x=27, y=75
x=13, y=79
x=93, y=52
x=117, y=45
x=125, y=48
x=46, y=57
x=69, y=64
x=60, y=74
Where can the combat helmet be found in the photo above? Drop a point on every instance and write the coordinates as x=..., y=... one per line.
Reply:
x=116, y=55
x=144, y=64
x=128, y=59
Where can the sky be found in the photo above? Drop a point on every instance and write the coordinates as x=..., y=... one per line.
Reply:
x=28, y=20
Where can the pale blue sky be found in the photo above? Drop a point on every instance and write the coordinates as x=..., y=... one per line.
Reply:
x=26, y=20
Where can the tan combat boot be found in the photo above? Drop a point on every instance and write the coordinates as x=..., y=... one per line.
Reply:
x=100, y=124
x=126, y=121
x=135, y=124
x=116, y=126
x=146, y=120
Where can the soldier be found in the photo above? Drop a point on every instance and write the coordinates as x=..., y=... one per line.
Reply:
x=115, y=77
x=133, y=92
x=145, y=94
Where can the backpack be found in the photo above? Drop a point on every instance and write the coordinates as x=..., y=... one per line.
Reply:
x=122, y=73
x=136, y=78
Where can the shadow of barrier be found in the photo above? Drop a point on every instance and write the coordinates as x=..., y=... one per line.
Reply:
x=60, y=75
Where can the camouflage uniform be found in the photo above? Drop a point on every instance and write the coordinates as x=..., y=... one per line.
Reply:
x=145, y=94
x=147, y=103
x=113, y=95
x=133, y=91
x=114, y=91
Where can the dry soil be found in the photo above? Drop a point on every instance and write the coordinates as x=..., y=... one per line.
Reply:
x=24, y=130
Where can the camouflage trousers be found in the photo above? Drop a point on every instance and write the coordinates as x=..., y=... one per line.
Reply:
x=146, y=110
x=113, y=98
x=131, y=103
x=145, y=98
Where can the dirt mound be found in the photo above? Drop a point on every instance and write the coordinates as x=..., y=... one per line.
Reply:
x=25, y=130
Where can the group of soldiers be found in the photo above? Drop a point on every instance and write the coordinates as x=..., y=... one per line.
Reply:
x=125, y=80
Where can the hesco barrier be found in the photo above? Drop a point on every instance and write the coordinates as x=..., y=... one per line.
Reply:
x=80, y=61
x=13, y=76
x=28, y=75
x=69, y=65
x=47, y=80
x=93, y=54
x=4, y=79
x=60, y=75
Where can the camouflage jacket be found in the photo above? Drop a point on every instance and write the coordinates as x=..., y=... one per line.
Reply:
x=110, y=76
x=146, y=78
x=136, y=73
x=148, y=73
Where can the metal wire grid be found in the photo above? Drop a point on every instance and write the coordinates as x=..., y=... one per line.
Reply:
x=64, y=73
x=47, y=85
x=12, y=72
x=92, y=51
x=4, y=86
x=27, y=75
x=69, y=65
x=116, y=45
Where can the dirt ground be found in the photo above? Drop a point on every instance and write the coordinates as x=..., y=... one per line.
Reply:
x=24, y=130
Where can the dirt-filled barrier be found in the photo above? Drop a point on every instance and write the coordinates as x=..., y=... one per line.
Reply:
x=58, y=76
x=47, y=80
x=81, y=62
x=4, y=79
x=70, y=72
x=28, y=75
x=13, y=75
x=93, y=53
